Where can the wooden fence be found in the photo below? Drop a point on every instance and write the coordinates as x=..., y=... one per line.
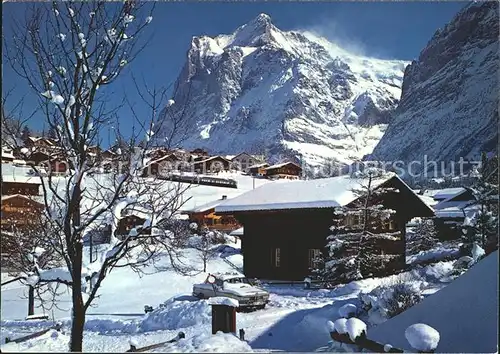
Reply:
x=364, y=343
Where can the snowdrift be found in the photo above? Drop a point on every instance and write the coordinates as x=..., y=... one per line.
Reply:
x=465, y=313
x=206, y=342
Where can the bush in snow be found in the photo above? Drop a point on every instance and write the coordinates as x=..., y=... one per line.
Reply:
x=386, y=302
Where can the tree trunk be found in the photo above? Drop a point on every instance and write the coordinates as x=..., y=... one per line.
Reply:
x=204, y=265
x=31, y=300
x=78, y=319
x=76, y=255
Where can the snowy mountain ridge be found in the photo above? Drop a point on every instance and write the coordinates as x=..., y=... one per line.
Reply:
x=261, y=90
x=449, y=103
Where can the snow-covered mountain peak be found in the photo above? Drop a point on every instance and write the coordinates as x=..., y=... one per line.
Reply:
x=286, y=92
x=256, y=33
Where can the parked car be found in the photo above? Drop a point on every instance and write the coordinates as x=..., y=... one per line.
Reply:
x=233, y=286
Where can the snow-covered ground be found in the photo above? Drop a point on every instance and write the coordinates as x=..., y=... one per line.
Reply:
x=294, y=319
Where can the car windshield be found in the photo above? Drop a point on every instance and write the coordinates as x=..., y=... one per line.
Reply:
x=237, y=281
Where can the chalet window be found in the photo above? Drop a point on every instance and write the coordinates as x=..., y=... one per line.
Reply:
x=353, y=220
x=313, y=258
x=277, y=257
x=388, y=224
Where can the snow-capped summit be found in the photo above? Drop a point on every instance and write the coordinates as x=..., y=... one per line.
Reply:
x=263, y=89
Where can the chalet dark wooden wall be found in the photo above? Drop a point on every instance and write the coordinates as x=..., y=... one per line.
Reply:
x=296, y=231
x=293, y=232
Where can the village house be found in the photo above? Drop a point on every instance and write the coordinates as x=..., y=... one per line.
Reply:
x=133, y=217
x=12, y=187
x=159, y=166
x=243, y=161
x=199, y=152
x=204, y=215
x=212, y=164
x=258, y=170
x=40, y=144
x=20, y=213
x=16, y=180
x=50, y=163
x=286, y=170
x=7, y=154
x=286, y=224
x=451, y=206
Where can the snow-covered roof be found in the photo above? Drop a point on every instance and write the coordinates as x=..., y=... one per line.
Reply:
x=137, y=210
x=259, y=165
x=22, y=196
x=7, y=153
x=211, y=158
x=206, y=206
x=237, y=232
x=281, y=165
x=316, y=193
x=448, y=193
x=17, y=174
x=428, y=200
x=456, y=211
x=223, y=300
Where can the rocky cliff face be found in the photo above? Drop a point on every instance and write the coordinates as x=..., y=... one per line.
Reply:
x=449, y=102
x=263, y=89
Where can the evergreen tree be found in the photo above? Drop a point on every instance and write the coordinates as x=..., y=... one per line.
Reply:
x=481, y=216
x=25, y=133
x=51, y=133
x=424, y=236
x=359, y=232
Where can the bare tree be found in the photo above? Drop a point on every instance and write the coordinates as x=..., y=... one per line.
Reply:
x=27, y=247
x=69, y=54
x=203, y=241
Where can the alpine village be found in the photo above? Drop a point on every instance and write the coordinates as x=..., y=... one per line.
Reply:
x=287, y=192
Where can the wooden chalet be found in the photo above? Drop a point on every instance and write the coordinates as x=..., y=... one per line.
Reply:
x=199, y=152
x=107, y=155
x=40, y=144
x=21, y=187
x=451, y=207
x=16, y=181
x=212, y=165
x=204, y=215
x=132, y=217
x=286, y=224
x=258, y=169
x=286, y=170
x=20, y=213
x=7, y=154
x=243, y=161
x=161, y=165
x=52, y=163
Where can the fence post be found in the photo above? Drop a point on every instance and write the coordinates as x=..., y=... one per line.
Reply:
x=223, y=314
x=242, y=334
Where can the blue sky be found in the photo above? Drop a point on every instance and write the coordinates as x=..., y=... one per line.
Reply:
x=396, y=30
